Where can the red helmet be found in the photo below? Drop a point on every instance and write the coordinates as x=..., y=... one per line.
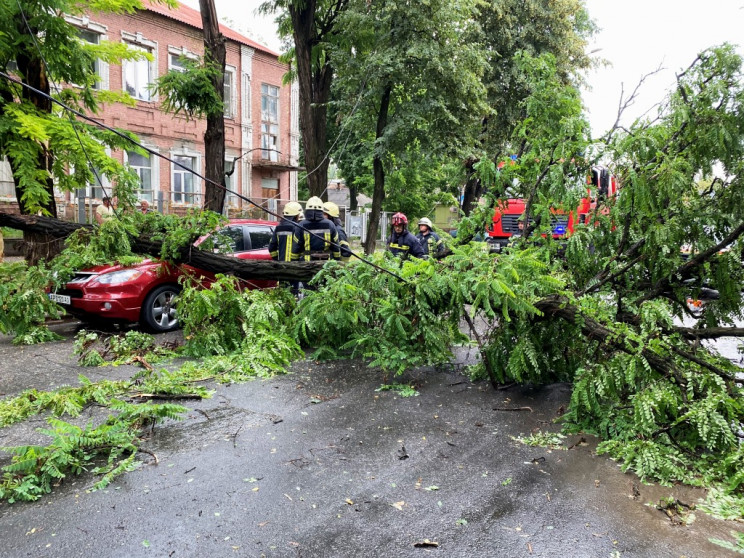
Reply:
x=400, y=219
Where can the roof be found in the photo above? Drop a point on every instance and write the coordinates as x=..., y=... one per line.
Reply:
x=192, y=18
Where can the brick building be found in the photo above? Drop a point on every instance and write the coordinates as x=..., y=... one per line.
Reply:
x=261, y=114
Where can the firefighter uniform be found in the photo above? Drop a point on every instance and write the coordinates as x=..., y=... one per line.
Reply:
x=404, y=245
x=430, y=241
x=316, y=238
x=332, y=214
x=280, y=245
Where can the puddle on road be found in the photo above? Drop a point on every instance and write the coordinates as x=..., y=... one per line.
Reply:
x=201, y=427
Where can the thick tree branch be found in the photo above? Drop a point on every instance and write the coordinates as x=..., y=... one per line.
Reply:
x=685, y=270
x=208, y=261
x=709, y=332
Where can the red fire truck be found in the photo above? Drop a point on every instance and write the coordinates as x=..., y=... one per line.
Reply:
x=509, y=212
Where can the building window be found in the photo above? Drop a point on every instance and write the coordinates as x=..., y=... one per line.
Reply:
x=184, y=182
x=98, y=187
x=270, y=183
x=142, y=165
x=177, y=63
x=231, y=196
x=269, y=122
x=229, y=92
x=93, y=38
x=138, y=75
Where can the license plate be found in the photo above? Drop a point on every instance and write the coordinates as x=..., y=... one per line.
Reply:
x=61, y=299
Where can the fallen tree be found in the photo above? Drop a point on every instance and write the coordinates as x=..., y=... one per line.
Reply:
x=187, y=254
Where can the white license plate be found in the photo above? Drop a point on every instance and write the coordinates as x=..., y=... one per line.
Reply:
x=61, y=299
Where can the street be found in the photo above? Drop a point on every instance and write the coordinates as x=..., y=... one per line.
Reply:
x=318, y=463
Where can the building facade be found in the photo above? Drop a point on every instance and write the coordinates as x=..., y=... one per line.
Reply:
x=261, y=114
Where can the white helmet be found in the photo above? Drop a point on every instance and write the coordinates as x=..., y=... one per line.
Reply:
x=292, y=209
x=331, y=208
x=425, y=221
x=314, y=203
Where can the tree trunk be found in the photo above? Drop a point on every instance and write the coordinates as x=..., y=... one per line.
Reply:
x=379, y=173
x=208, y=261
x=214, y=137
x=353, y=193
x=33, y=70
x=315, y=87
x=472, y=192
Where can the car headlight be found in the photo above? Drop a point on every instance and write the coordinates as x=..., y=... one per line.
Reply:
x=116, y=277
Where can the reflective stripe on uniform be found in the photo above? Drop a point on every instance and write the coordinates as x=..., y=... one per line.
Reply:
x=399, y=246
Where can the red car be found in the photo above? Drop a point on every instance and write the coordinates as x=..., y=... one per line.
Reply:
x=146, y=292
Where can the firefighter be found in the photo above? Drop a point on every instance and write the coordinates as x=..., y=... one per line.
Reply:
x=401, y=242
x=280, y=245
x=330, y=210
x=430, y=241
x=316, y=238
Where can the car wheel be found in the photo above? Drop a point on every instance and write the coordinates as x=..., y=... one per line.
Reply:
x=159, y=310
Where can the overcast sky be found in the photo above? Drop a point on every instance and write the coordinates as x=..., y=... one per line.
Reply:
x=636, y=37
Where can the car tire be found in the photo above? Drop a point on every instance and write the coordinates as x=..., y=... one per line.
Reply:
x=159, y=311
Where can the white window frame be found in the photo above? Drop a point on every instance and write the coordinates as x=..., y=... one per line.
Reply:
x=104, y=186
x=195, y=194
x=137, y=40
x=174, y=53
x=270, y=123
x=231, y=183
x=154, y=176
x=84, y=23
x=231, y=106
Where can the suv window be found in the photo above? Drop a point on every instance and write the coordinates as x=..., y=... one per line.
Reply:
x=232, y=238
x=260, y=237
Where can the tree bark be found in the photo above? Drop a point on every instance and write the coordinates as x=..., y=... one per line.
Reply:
x=208, y=261
x=379, y=173
x=214, y=136
x=314, y=80
x=472, y=192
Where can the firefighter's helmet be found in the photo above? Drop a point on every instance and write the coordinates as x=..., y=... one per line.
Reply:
x=314, y=203
x=425, y=221
x=331, y=208
x=400, y=219
x=292, y=209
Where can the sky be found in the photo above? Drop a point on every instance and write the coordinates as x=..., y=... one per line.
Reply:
x=636, y=37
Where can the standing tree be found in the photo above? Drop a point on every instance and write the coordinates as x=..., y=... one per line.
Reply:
x=312, y=24
x=214, y=137
x=412, y=73
x=557, y=27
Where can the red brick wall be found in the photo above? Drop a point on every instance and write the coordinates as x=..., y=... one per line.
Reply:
x=167, y=131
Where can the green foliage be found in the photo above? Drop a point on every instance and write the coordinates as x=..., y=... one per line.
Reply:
x=24, y=304
x=108, y=450
x=553, y=440
x=736, y=546
x=133, y=346
x=404, y=390
x=244, y=333
x=723, y=505
x=64, y=401
x=396, y=324
x=191, y=89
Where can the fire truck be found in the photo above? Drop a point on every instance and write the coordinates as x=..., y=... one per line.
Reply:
x=509, y=212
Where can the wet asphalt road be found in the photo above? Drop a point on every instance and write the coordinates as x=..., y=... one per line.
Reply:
x=317, y=463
